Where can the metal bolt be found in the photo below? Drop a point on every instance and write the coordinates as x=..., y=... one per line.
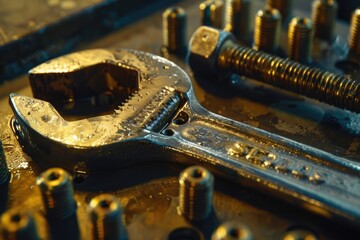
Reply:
x=4, y=171
x=212, y=13
x=324, y=17
x=267, y=30
x=354, y=40
x=18, y=225
x=213, y=51
x=232, y=231
x=299, y=234
x=300, y=40
x=237, y=20
x=285, y=7
x=57, y=193
x=174, y=29
x=106, y=216
x=196, y=193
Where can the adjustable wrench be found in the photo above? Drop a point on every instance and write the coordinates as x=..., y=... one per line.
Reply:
x=161, y=119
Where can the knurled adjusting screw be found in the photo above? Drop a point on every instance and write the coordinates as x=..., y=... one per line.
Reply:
x=324, y=17
x=237, y=18
x=215, y=52
x=57, y=193
x=4, y=171
x=196, y=193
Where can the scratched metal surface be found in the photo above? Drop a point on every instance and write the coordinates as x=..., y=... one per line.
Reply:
x=150, y=192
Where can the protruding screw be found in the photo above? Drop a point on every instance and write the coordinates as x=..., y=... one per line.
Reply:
x=174, y=29
x=232, y=231
x=237, y=18
x=285, y=7
x=212, y=13
x=196, y=193
x=300, y=40
x=106, y=217
x=214, y=51
x=324, y=14
x=18, y=225
x=4, y=171
x=354, y=40
x=267, y=30
x=299, y=234
x=57, y=193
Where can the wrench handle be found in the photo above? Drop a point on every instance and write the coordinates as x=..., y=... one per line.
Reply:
x=238, y=151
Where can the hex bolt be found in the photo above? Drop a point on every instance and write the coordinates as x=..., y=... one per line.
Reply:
x=57, y=193
x=18, y=225
x=324, y=14
x=196, y=193
x=106, y=217
x=212, y=13
x=298, y=234
x=285, y=7
x=213, y=51
x=237, y=18
x=4, y=171
x=354, y=39
x=174, y=29
x=300, y=40
x=267, y=30
x=232, y=231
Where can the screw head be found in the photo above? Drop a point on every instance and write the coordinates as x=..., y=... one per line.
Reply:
x=204, y=49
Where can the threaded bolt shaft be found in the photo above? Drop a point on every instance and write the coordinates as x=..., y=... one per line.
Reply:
x=196, y=193
x=267, y=30
x=237, y=20
x=285, y=7
x=4, y=171
x=18, y=225
x=300, y=40
x=57, y=193
x=232, y=231
x=337, y=90
x=354, y=40
x=174, y=29
x=106, y=216
x=212, y=13
x=324, y=14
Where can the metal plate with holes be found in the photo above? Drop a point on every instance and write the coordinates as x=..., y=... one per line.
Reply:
x=149, y=192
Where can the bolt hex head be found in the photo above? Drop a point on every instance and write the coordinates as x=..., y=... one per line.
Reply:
x=204, y=49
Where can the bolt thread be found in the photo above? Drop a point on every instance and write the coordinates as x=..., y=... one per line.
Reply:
x=18, y=225
x=324, y=86
x=237, y=16
x=106, y=217
x=285, y=7
x=174, y=29
x=324, y=17
x=354, y=40
x=4, y=171
x=57, y=193
x=211, y=12
x=267, y=30
x=300, y=38
x=196, y=193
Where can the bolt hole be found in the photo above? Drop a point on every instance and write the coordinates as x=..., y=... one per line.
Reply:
x=53, y=176
x=105, y=204
x=236, y=233
x=79, y=179
x=181, y=118
x=184, y=233
x=168, y=132
x=16, y=218
x=197, y=173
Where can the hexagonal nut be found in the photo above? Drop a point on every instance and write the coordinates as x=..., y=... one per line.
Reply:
x=204, y=49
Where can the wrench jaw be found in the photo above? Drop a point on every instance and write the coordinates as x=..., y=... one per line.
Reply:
x=107, y=141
